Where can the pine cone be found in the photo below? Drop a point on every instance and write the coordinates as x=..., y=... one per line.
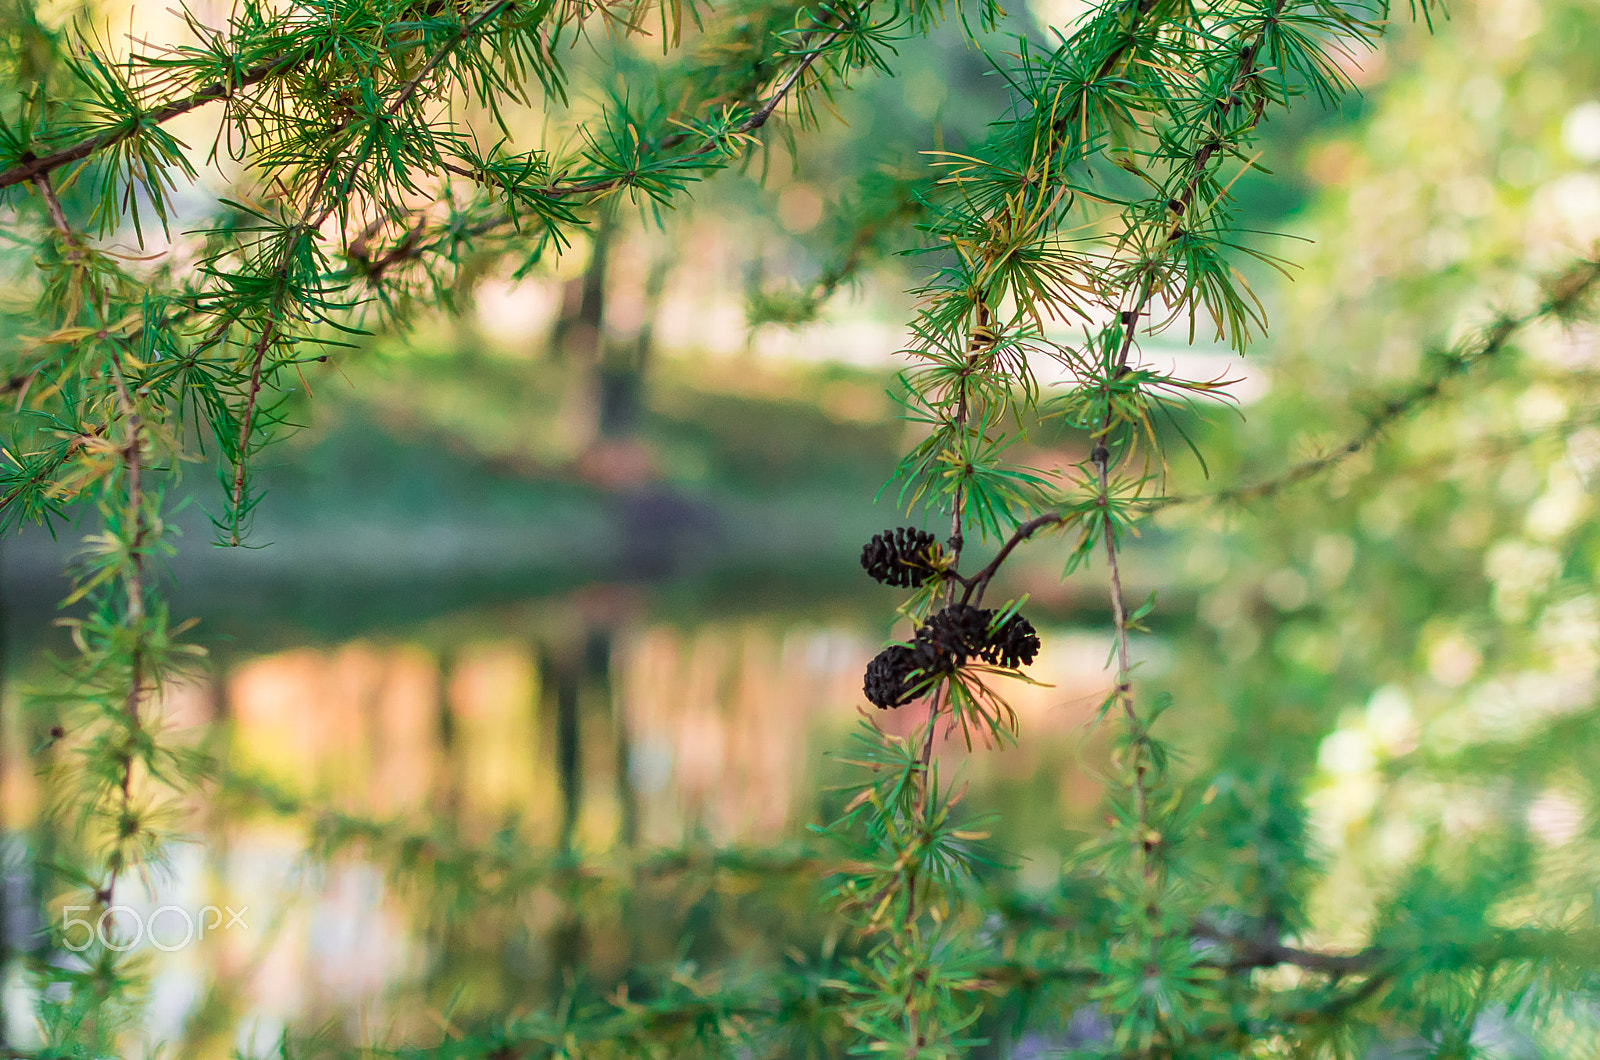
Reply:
x=1014, y=644
x=927, y=658
x=885, y=684
x=957, y=632
x=902, y=558
x=896, y=674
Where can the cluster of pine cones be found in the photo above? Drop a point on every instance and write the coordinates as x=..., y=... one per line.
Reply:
x=948, y=639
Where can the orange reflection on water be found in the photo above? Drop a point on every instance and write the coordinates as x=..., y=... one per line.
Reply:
x=704, y=731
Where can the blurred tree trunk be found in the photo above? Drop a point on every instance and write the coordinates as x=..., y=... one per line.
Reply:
x=623, y=367
x=616, y=370
x=576, y=336
x=42, y=848
x=448, y=777
x=569, y=759
x=559, y=679
x=622, y=736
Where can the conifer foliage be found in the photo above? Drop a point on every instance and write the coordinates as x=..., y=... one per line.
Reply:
x=357, y=183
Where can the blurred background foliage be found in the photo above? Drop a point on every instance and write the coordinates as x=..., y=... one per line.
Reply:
x=571, y=569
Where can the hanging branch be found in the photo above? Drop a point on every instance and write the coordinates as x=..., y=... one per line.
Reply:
x=1242, y=86
x=134, y=615
x=125, y=636
x=923, y=777
x=249, y=75
x=318, y=209
x=131, y=455
x=32, y=169
x=413, y=244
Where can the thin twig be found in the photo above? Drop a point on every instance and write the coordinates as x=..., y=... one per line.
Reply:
x=755, y=121
x=1573, y=285
x=979, y=582
x=1124, y=687
x=1185, y=200
x=466, y=30
x=246, y=418
x=1249, y=953
x=58, y=216
x=1577, y=282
